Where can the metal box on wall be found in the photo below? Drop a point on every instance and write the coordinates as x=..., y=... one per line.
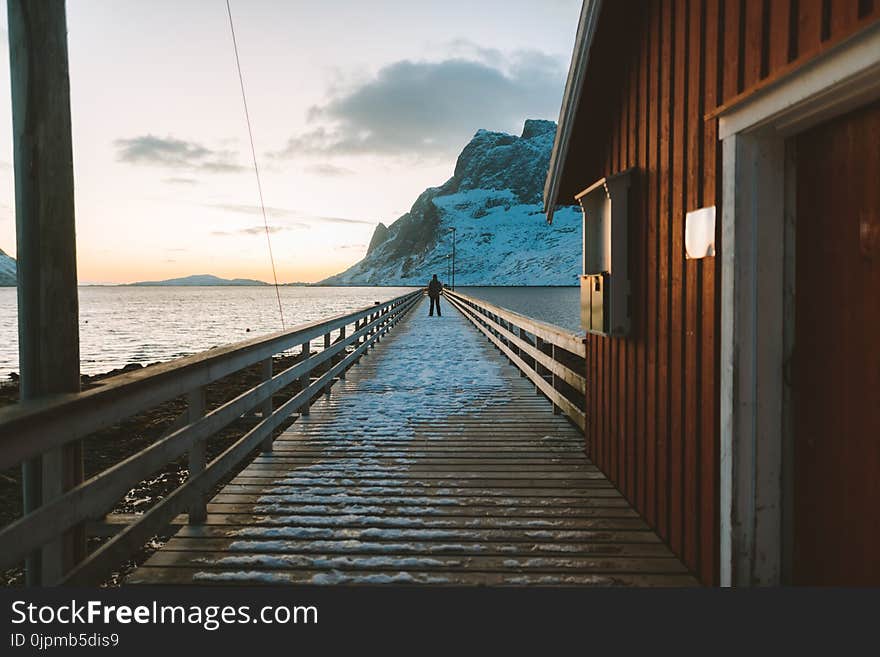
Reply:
x=605, y=284
x=593, y=303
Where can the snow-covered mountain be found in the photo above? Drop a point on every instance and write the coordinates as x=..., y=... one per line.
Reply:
x=7, y=270
x=493, y=201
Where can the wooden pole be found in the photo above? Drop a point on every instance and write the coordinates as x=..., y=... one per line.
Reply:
x=453, y=257
x=198, y=453
x=48, y=312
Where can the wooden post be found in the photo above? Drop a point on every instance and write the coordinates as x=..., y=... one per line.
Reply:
x=539, y=345
x=198, y=511
x=48, y=309
x=342, y=355
x=556, y=409
x=305, y=378
x=266, y=408
x=327, y=346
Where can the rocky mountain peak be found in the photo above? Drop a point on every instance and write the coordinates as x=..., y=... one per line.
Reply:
x=380, y=234
x=493, y=201
x=497, y=160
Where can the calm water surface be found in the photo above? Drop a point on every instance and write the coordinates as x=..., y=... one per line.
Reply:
x=556, y=305
x=121, y=325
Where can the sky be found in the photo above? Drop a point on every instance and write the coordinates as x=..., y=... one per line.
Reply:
x=357, y=106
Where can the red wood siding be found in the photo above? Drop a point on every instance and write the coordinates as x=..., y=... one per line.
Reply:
x=836, y=364
x=657, y=68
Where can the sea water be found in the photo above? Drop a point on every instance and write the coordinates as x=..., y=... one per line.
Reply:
x=120, y=325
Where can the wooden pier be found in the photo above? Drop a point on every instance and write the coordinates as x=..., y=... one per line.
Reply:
x=434, y=462
x=427, y=450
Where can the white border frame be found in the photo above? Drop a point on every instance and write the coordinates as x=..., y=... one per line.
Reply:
x=757, y=262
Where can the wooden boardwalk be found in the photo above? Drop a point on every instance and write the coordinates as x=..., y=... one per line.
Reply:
x=434, y=462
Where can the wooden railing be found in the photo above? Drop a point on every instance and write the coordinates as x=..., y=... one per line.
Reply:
x=32, y=428
x=552, y=358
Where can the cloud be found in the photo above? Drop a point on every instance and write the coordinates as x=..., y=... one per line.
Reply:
x=241, y=208
x=328, y=170
x=252, y=230
x=351, y=246
x=344, y=220
x=181, y=181
x=174, y=153
x=286, y=213
x=425, y=108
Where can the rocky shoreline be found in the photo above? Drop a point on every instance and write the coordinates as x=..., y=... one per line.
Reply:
x=110, y=446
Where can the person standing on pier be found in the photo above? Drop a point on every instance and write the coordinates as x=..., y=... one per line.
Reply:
x=434, y=288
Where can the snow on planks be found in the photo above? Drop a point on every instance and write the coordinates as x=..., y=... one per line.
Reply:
x=433, y=463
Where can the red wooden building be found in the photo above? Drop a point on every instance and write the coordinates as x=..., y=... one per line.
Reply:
x=733, y=354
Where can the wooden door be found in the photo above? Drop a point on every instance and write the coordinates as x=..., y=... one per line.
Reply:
x=836, y=368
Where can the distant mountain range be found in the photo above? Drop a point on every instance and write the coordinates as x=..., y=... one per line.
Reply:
x=8, y=270
x=492, y=204
x=198, y=280
x=8, y=278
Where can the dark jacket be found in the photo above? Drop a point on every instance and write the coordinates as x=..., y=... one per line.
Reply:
x=434, y=288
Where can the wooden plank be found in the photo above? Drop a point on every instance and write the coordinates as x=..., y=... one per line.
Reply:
x=753, y=53
x=844, y=17
x=630, y=356
x=241, y=494
x=235, y=522
x=640, y=367
x=497, y=548
x=694, y=193
x=188, y=575
x=677, y=379
x=731, y=81
x=707, y=472
x=780, y=37
x=664, y=267
x=459, y=564
x=653, y=181
x=809, y=26
x=547, y=513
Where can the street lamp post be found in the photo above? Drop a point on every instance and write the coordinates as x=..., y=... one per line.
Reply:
x=452, y=229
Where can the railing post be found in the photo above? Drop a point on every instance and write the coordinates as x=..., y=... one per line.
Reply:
x=304, y=379
x=540, y=369
x=556, y=409
x=327, y=346
x=340, y=339
x=266, y=408
x=522, y=336
x=198, y=510
x=371, y=331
